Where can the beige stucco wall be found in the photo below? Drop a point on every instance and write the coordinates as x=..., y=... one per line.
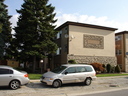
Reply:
x=126, y=48
x=126, y=42
x=76, y=44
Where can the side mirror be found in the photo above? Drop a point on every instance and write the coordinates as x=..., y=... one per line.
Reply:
x=66, y=73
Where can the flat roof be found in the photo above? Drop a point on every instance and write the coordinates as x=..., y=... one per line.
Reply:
x=85, y=25
x=123, y=32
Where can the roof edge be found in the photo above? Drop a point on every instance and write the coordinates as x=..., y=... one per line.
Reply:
x=85, y=25
x=122, y=32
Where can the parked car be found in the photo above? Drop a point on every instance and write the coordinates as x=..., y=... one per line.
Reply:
x=69, y=73
x=12, y=78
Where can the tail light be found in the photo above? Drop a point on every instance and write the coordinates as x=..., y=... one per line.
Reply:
x=26, y=75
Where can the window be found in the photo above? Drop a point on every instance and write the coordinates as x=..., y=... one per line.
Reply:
x=81, y=69
x=59, y=34
x=71, y=70
x=88, y=69
x=5, y=71
x=118, y=52
x=65, y=30
x=118, y=38
x=58, y=51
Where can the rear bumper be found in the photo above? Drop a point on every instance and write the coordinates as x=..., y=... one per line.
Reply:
x=25, y=81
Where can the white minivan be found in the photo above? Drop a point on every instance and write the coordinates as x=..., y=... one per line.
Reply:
x=69, y=73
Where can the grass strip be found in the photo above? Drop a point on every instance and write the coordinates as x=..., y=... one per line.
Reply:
x=108, y=75
x=34, y=76
x=38, y=76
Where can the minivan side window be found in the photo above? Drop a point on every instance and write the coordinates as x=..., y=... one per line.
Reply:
x=88, y=69
x=71, y=70
x=81, y=69
x=5, y=71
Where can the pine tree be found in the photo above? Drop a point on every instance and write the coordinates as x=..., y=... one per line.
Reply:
x=35, y=30
x=5, y=30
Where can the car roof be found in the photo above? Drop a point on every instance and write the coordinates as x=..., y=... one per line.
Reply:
x=71, y=65
x=4, y=66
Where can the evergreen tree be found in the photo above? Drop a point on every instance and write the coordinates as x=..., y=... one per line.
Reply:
x=5, y=29
x=35, y=30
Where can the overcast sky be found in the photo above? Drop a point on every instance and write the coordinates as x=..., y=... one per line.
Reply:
x=110, y=13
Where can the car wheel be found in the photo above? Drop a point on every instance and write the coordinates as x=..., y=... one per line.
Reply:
x=56, y=84
x=88, y=81
x=14, y=84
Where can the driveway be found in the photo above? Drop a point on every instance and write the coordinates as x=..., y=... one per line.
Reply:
x=35, y=88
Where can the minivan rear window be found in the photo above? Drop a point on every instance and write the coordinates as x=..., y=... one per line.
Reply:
x=59, y=69
x=89, y=69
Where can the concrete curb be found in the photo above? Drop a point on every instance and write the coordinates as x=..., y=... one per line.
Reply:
x=37, y=80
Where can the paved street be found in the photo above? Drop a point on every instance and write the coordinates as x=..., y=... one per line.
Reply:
x=35, y=88
x=122, y=92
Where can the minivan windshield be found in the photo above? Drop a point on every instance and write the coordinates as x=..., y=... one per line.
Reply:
x=59, y=69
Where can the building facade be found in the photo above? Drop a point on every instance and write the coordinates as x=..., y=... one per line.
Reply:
x=85, y=43
x=121, y=39
x=12, y=63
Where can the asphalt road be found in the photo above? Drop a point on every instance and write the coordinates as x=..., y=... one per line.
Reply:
x=123, y=92
x=35, y=88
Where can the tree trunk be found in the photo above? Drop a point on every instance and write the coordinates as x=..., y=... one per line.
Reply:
x=25, y=65
x=34, y=64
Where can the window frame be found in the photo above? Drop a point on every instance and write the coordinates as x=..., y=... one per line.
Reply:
x=70, y=72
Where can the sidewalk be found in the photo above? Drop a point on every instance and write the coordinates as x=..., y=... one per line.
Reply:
x=36, y=80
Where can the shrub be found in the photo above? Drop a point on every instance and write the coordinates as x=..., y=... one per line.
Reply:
x=104, y=68
x=108, y=67
x=98, y=67
x=117, y=69
x=71, y=61
x=113, y=69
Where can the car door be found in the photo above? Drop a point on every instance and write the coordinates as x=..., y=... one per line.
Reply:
x=80, y=74
x=68, y=75
x=6, y=75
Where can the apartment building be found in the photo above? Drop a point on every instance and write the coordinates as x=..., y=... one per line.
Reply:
x=85, y=43
x=121, y=42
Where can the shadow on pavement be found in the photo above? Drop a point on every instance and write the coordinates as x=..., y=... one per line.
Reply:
x=5, y=88
x=40, y=85
x=126, y=77
x=37, y=85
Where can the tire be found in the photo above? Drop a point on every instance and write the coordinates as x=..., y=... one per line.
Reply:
x=15, y=84
x=56, y=84
x=88, y=81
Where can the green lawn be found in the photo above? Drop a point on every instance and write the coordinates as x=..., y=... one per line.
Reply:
x=34, y=76
x=108, y=75
x=37, y=76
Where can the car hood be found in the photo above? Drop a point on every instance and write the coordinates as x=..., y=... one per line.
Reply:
x=49, y=74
